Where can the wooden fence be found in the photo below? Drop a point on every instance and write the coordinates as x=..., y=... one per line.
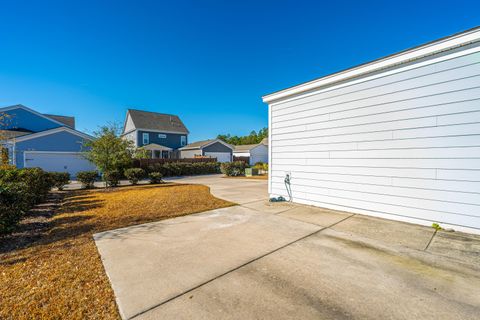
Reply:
x=145, y=163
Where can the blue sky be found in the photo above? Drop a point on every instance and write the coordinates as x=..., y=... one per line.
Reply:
x=207, y=61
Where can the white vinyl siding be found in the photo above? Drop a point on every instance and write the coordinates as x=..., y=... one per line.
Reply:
x=190, y=153
x=259, y=154
x=403, y=145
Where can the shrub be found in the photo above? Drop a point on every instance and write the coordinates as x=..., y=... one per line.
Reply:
x=60, y=179
x=112, y=178
x=233, y=169
x=12, y=206
x=173, y=168
x=37, y=183
x=87, y=178
x=134, y=174
x=261, y=166
x=185, y=168
x=20, y=190
x=155, y=177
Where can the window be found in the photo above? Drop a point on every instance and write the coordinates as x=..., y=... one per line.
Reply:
x=183, y=140
x=146, y=138
x=162, y=136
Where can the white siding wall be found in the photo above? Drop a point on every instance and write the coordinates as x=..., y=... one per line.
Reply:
x=190, y=153
x=404, y=144
x=129, y=125
x=132, y=136
x=259, y=154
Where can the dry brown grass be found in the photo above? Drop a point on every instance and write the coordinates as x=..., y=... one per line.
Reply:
x=61, y=275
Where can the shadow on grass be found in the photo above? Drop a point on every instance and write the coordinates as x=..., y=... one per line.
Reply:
x=45, y=226
x=40, y=227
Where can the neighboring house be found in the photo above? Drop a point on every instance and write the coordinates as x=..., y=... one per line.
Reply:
x=396, y=138
x=255, y=152
x=215, y=148
x=50, y=142
x=160, y=134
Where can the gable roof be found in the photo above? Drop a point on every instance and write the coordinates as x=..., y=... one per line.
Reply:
x=8, y=134
x=147, y=120
x=204, y=143
x=49, y=117
x=245, y=147
x=52, y=131
x=69, y=121
x=413, y=54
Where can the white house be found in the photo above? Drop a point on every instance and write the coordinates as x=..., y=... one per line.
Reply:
x=397, y=138
x=255, y=152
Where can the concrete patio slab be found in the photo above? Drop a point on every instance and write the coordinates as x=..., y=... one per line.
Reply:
x=331, y=275
x=255, y=261
x=319, y=216
x=270, y=207
x=152, y=263
x=235, y=190
x=462, y=246
x=389, y=231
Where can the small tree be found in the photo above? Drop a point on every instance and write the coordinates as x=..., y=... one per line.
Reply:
x=4, y=157
x=141, y=153
x=109, y=151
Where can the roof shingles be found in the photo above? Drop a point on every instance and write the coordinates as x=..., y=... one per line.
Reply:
x=157, y=121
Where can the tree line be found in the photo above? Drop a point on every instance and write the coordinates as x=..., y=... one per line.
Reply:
x=253, y=138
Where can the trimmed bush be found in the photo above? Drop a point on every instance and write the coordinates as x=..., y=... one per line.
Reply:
x=37, y=182
x=12, y=207
x=233, y=169
x=20, y=190
x=112, y=178
x=185, y=168
x=87, y=178
x=60, y=179
x=134, y=174
x=155, y=177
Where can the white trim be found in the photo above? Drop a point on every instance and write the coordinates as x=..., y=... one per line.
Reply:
x=147, y=136
x=380, y=75
x=206, y=145
x=270, y=162
x=396, y=59
x=21, y=106
x=52, y=131
x=162, y=131
x=215, y=141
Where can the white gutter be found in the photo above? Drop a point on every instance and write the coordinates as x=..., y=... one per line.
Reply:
x=437, y=46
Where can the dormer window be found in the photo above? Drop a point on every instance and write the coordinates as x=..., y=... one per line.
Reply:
x=145, y=138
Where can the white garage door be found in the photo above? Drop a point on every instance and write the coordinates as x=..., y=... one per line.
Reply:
x=70, y=162
x=221, y=156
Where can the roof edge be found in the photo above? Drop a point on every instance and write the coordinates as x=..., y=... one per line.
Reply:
x=429, y=48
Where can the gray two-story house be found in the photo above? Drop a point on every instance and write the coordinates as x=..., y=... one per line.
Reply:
x=160, y=134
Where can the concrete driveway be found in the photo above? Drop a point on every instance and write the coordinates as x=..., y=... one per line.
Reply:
x=283, y=261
